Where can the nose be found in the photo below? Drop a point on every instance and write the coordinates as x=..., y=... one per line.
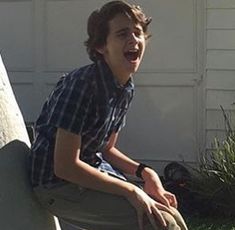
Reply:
x=133, y=39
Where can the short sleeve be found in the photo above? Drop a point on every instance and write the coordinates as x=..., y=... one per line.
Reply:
x=70, y=104
x=121, y=124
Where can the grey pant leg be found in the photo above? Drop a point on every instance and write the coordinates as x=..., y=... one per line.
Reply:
x=94, y=210
x=179, y=219
x=175, y=221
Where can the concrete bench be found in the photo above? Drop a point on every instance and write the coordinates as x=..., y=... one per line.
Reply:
x=19, y=210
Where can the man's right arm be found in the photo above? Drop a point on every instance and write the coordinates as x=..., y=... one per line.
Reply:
x=68, y=166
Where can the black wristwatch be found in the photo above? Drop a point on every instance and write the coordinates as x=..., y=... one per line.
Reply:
x=139, y=170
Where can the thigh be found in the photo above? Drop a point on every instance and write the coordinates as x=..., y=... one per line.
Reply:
x=88, y=208
x=94, y=210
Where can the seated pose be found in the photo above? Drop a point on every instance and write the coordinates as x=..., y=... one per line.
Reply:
x=76, y=171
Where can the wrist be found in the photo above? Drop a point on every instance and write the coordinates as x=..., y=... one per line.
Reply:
x=148, y=173
x=129, y=190
x=141, y=169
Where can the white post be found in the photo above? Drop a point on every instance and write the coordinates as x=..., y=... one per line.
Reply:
x=11, y=120
x=18, y=207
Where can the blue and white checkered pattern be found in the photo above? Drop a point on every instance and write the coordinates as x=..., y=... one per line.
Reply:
x=89, y=102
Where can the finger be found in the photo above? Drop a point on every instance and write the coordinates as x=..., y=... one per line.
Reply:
x=151, y=217
x=172, y=199
x=152, y=220
x=160, y=218
x=163, y=208
x=164, y=201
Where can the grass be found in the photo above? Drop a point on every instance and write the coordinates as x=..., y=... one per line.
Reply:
x=196, y=223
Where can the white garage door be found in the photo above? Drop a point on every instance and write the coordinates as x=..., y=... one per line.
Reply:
x=41, y=39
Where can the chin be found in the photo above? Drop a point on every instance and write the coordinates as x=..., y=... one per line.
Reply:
x=134, y=68
x=133, y=71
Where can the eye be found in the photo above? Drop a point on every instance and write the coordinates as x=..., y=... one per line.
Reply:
x=123, y=34
x=139, y=33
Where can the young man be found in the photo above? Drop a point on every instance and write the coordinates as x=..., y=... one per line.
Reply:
x=76, y=170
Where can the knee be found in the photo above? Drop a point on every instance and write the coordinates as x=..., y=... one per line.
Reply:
x=170, y=221
x=179, y=219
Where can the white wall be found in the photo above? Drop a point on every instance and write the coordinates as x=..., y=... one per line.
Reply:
x=220, y=66
x=41, y=39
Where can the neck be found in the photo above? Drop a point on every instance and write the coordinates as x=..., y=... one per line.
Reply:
x=122, y=80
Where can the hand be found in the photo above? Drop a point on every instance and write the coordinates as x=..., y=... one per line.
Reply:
x=145, y=205
x=154, y=188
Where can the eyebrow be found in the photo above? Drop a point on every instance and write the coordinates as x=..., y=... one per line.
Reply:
x=122, y=30
x=127, y=29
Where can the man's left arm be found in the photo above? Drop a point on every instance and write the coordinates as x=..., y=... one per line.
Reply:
x=152, y=182
x=119, y=159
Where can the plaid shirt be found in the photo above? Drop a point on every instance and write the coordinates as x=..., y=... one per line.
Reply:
x=89, y=102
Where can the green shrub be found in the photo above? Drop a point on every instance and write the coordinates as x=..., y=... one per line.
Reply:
x=214, y=181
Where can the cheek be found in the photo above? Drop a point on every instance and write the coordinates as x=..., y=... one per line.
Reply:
x=143, y=46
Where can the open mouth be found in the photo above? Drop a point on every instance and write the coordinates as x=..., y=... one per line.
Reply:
x=132, y=55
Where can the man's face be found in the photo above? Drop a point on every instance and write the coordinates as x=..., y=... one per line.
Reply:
x=125, y=46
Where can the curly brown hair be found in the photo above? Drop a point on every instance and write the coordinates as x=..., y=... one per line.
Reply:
x=98, y=24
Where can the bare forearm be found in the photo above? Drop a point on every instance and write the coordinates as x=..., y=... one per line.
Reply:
x=127, y=165
x=121, y=161
x=86, y=176
x=68, y=166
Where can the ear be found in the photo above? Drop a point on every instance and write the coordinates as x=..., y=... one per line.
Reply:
x=101, y=50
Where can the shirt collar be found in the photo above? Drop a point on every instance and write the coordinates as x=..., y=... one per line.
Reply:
x=111, y=81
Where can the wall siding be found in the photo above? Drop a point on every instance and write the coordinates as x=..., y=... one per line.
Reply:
x=221, y=39
x=221, y=59
x=220, y=19
x=224, y=4
x=214, y=79
x=220, y=67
